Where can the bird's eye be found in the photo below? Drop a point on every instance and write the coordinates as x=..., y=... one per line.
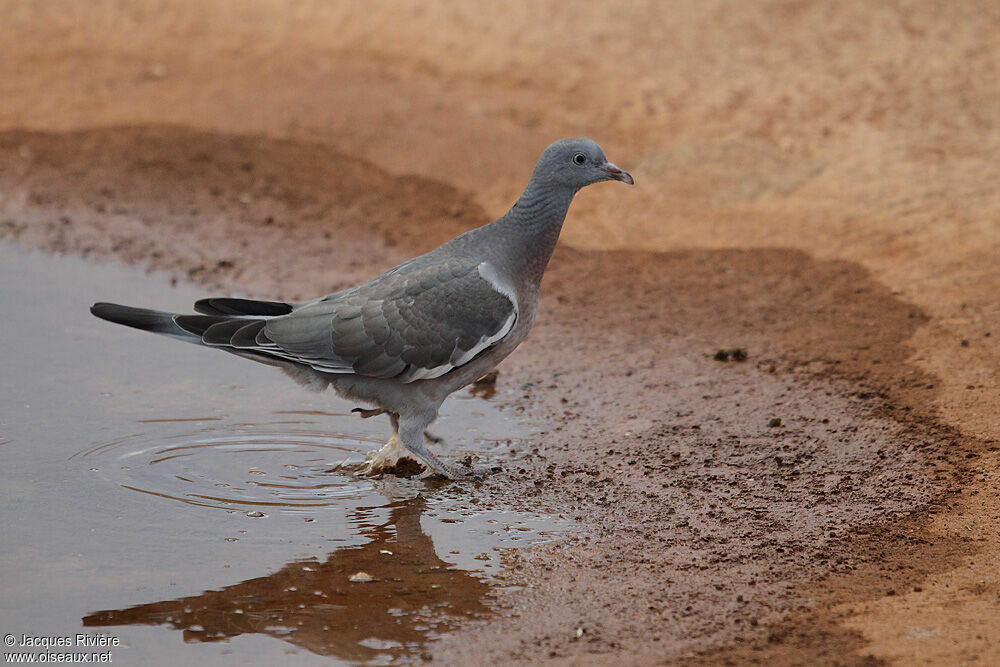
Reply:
x=579, y=158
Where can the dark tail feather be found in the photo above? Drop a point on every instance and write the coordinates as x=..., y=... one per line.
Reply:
x=222, y=333
x=156, y=321
x=198, y=324
x=229, y=306
x=246, y=337
x=240, y=333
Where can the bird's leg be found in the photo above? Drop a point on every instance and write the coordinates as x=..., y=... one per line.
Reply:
x=412, y=435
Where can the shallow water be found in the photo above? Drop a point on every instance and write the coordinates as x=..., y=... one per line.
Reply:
x=181, y=499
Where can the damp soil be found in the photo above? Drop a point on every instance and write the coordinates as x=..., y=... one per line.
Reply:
x=724, y=506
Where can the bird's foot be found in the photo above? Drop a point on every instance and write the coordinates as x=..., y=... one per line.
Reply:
x=435, y=467
x=398, y=458
x=466, y=471
x=387, y=457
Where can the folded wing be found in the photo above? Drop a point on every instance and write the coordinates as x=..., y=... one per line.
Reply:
x=412, y=325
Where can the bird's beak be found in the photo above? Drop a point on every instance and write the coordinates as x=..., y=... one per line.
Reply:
x=615, y=173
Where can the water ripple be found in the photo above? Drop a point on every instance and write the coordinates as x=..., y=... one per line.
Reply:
x=235, y=467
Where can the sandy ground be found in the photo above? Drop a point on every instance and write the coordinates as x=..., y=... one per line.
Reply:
x=817, y=184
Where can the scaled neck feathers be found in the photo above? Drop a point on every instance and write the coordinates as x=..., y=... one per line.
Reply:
x=531, y=227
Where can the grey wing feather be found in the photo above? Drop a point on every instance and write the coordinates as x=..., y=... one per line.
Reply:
x=414, y=324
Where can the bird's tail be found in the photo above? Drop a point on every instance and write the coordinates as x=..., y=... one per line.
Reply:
x=236, y=331
x=145, y=319
x=224, y=322
x=228, y=324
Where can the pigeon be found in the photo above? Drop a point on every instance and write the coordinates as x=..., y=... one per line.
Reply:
x=407, y=339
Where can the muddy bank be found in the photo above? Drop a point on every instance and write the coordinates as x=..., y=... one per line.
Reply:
x=227, y=199
x=725, y=505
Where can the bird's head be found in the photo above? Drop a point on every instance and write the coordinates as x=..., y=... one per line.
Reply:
x=576, y=163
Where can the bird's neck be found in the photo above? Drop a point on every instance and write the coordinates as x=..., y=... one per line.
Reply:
x=533, y=224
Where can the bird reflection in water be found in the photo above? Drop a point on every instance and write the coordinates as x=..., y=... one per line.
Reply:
x=414, y=597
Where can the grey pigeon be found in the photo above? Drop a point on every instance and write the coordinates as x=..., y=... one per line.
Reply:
x=405, y=340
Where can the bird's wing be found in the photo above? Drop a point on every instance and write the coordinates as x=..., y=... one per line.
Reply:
x=414, y=324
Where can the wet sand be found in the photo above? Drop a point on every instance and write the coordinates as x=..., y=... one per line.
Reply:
x=819, y=192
